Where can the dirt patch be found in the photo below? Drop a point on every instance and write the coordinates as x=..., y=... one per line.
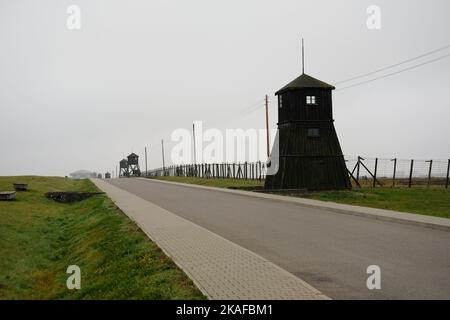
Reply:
x=68, y=197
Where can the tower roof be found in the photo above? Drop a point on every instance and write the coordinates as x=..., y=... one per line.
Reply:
x=305, y=82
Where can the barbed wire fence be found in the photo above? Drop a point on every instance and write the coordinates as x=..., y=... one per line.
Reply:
x=363, y=171
x=394, y=172
x=245, y=171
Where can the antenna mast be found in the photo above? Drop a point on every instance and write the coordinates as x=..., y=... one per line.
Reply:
x=303, y=57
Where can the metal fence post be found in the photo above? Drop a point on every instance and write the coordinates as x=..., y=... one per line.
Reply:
x=410, y=173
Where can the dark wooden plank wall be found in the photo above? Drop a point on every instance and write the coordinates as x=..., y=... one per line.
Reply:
x=312, y=163
x=295, y=107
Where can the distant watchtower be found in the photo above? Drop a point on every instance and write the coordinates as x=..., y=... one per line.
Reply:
x=310, y=156
x=124, y=168
x=133, y=165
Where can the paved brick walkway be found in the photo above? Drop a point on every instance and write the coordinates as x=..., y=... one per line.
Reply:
x=220, y=268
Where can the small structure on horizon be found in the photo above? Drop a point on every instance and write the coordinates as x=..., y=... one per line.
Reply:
x=310, y=156
x=82, y=174
x=107, y=175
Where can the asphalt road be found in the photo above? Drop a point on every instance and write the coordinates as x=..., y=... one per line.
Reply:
x=331, y=251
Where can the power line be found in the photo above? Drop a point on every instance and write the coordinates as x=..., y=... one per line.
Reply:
x=396, y=72
x=259, y=106
x=394, y=65
x=244, y=111
x=250, y=108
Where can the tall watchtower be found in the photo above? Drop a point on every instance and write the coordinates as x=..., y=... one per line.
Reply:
x=310, y=156
x=123, y=165
x=133, y=165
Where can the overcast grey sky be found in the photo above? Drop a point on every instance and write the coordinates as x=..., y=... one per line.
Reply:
x=137, y=70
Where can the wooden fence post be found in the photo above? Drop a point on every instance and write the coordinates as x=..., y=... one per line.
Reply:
x=395, y=170
x=358, y=164
x=410, y=173
x=252, y=170
x=245, y=170
x=448, y=171
x=375, y=173
x=429, y=172
x=260, y=171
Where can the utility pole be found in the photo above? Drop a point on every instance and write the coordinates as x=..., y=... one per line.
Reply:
x=162, y=149
x=145, y=160
x=195, y=150
x=267, y=126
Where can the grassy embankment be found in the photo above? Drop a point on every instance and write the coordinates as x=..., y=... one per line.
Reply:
x=40, y=238
x=433, y=201
x=220, y=183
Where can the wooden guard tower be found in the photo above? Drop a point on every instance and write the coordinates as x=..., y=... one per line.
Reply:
x=133, y=165
x=310, y=156
x=124, y=168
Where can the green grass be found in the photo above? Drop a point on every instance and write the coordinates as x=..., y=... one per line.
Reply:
x=219, y=183
x=433, y=201
x=40, y=238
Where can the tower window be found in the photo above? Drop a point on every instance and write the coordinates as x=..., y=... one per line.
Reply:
x=313, y=132
x=310, y=99
x=280, y=102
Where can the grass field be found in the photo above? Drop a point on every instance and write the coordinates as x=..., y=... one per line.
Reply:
x=421, y=200
x=220, y=183
x=433, y=201
x=40, y=238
